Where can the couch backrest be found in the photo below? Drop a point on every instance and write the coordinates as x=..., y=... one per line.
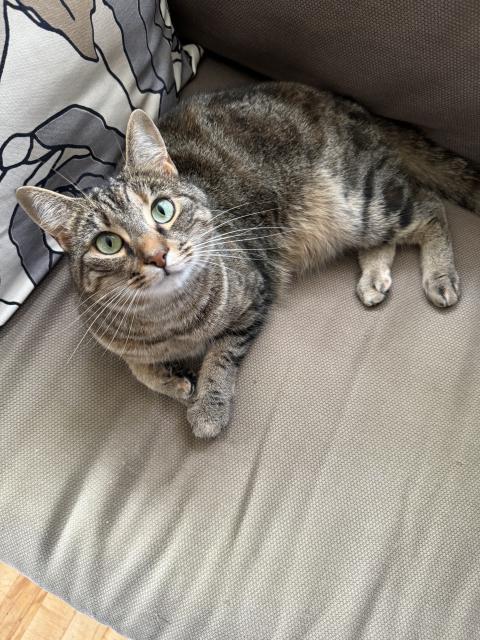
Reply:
x=416, y=60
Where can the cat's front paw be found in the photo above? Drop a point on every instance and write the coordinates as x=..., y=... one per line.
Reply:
x=208, y=416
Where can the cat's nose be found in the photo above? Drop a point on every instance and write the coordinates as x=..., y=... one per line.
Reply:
x=158, y=259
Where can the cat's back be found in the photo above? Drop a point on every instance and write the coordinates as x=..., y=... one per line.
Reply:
x=267, y=122
x=271, y=116
x=259, y=106
x=264, y=134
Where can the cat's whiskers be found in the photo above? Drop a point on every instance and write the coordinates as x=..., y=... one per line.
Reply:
x=219, y=226
x=90, y=306
x=236, y=256
x=102, y=310
x=246, y=215
x=121, y=151
x=238, y=206
x=224, y=247
x=237, y=234
x=226, y=250
x=108, y=305
x=85, y=195
x=112, y=315
x=92, y=295
x=209, y=264
x=124, y=306
x=131, y=322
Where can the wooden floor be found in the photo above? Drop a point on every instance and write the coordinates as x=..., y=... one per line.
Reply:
x=29, y=613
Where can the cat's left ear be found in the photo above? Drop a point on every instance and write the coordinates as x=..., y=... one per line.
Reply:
x=145, y=148
x=51, y=211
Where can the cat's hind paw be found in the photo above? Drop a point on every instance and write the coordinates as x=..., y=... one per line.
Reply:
x=373, y=287
x=183, y=388
x=442, y=290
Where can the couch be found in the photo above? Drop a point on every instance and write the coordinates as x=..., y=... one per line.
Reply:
x=343, y=501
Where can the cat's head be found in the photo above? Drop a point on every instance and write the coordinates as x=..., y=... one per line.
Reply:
x=142, y=230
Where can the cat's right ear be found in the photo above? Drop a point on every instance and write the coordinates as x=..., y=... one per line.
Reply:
x=51, y=211
x=145, y=149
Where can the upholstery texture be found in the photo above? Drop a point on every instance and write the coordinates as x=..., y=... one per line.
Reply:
x=69, y=79
x=341, y=504
x=415, y=60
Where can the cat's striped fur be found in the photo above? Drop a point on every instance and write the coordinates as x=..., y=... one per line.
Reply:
x=269, y=181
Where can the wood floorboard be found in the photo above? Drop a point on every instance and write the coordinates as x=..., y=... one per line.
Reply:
x=27, y=612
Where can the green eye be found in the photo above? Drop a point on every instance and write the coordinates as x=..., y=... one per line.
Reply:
x=162, y=211
x=108, y=243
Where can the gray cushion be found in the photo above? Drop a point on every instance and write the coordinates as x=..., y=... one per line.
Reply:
x=416, y=61
x=341, y=504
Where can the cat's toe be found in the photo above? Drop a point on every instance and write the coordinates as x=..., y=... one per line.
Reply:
x=182, y=389
x=185, y=387
x=443, y=290
x=372, y=288
x=382, y=282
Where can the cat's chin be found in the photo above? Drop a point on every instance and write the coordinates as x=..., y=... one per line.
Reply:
x=165, y=284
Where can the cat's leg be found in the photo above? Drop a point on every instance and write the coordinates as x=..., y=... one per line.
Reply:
x=430, y=231
x=439, y=276
x=210, y=411
x=164, y=380
x=376, y=278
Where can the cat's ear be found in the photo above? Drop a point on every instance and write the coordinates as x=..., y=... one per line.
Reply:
x=145, y=148
x=51, y=211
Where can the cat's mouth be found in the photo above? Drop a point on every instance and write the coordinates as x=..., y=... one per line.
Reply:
x=156, y=275
x=165, y=279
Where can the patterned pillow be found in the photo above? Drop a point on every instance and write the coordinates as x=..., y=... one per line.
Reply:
x=71, y=72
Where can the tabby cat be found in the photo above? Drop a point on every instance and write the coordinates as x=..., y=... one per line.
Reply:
x=183, y=253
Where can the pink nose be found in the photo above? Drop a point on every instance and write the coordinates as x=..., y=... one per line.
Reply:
x=158, y=259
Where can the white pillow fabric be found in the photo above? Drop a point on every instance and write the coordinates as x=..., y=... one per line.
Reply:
x=70, y=75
